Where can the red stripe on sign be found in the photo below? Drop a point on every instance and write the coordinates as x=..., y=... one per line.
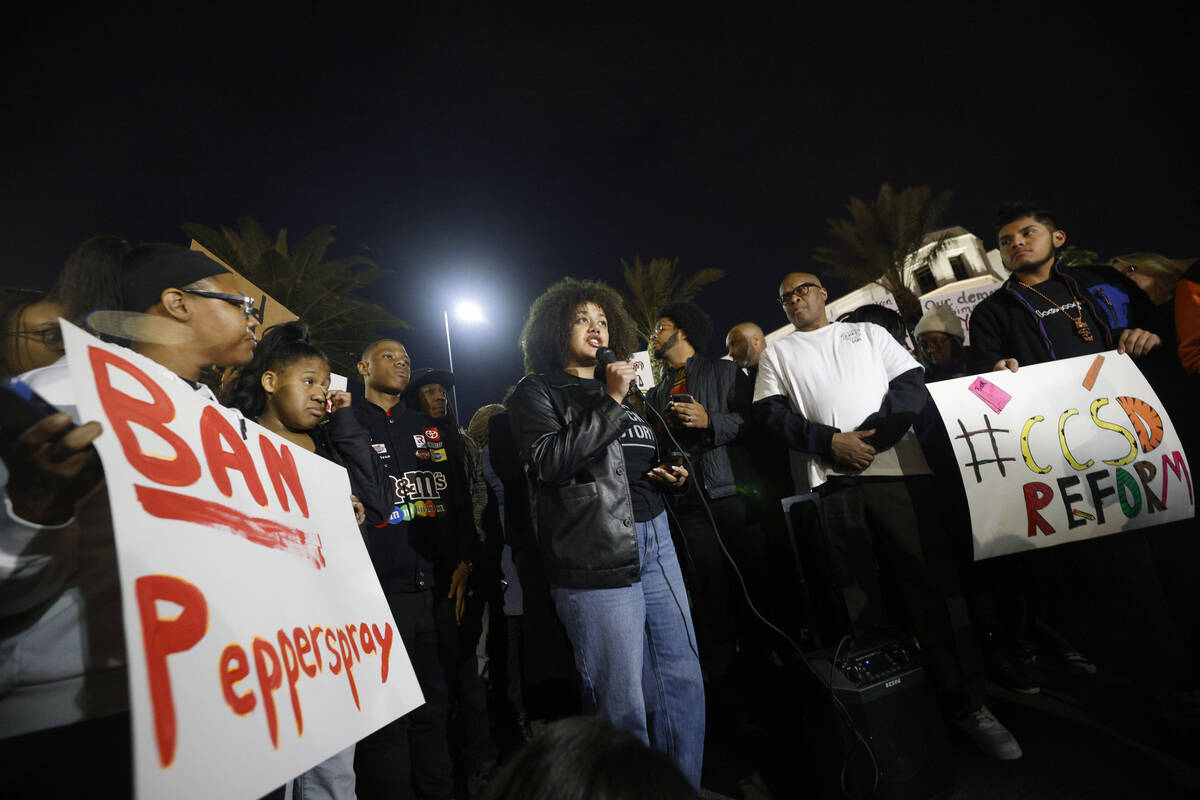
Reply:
x=266, y=532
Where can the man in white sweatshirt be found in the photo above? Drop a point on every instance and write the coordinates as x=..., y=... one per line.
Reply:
x=843, y=397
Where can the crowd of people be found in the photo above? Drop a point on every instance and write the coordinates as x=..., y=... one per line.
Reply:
x=581, y=548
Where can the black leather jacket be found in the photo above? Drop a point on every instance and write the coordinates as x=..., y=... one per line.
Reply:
x=583, y=514
x=718, y=385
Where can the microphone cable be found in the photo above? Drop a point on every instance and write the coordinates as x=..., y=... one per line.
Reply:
x=605, y=355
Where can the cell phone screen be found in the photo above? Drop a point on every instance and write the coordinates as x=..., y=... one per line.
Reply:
x=22, y=407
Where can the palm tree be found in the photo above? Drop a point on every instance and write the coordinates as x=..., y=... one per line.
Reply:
x=654, y=283
x=323, y=294
x=1075, y=256
x=879, y=241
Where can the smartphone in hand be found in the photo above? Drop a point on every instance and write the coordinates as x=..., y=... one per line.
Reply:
x=22, y=408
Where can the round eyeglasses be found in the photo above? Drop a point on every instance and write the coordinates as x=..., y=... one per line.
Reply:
x=798, y=291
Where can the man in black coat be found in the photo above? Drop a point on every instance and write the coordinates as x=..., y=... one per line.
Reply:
x=1043, y=312
x=430, y=526
x=704, y=404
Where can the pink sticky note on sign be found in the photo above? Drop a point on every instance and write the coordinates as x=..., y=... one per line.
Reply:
x=995, y=397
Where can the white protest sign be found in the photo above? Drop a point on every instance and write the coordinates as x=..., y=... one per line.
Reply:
x=1063, y=451
x=962, y=301
x=645, y=375
x=258, y=640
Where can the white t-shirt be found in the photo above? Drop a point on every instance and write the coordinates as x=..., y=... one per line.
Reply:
x=838, y=375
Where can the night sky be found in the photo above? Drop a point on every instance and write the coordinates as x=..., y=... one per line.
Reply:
x=484, y=151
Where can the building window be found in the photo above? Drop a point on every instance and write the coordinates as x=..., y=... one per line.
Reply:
x=959, y=266
x=925, y=280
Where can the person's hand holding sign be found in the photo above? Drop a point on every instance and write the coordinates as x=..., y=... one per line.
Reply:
x=1137, y=342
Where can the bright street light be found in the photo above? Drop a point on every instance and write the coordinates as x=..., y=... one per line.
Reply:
x=467, y=312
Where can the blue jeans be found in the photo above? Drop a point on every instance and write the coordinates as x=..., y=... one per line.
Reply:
x=635, y=649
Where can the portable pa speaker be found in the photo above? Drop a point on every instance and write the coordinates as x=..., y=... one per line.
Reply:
x=882, y=685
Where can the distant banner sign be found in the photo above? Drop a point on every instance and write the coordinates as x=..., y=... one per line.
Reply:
x=1063, y=451
x=963, y=301
x=258, y=640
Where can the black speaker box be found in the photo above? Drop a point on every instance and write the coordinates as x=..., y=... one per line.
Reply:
x=884, y=689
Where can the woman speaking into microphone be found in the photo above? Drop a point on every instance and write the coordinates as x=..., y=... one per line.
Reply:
x=598, y=475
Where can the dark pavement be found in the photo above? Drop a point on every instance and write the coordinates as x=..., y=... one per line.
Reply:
x=1108, y=745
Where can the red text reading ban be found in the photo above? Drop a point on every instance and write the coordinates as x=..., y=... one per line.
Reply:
x=222, y=447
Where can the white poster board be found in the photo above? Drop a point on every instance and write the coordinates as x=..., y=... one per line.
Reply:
x=1063, y=451
x=258, y=640
x=962, y=301
x=645, y=375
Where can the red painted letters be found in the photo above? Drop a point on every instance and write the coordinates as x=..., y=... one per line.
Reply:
x=1037, y=496
x=180, y=469
x=163, y=636
x=215, y=429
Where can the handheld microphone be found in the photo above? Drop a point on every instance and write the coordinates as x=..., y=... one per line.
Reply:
x=605, y=355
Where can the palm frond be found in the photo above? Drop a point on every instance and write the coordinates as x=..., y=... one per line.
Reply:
x=330, y=297
x=877, y=241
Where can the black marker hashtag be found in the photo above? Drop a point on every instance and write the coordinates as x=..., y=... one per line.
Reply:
x=976, y=462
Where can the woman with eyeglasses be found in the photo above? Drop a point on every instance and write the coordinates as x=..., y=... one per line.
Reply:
x=87, y=282
x=29, y=325
x=598, y=477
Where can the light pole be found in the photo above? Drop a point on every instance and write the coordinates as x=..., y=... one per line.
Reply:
x=467, y=312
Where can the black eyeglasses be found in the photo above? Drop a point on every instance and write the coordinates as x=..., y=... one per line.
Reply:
x=50, y=336
x=247, y=303
x=799, y=291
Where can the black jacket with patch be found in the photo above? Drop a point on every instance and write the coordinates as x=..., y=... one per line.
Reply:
x=718, y=386
x=431, y=528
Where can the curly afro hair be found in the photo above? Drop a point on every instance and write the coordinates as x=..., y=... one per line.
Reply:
x=545, y=337
x=692, y=320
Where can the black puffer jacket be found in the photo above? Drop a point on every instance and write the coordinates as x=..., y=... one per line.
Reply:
x=583, y=513
x=719, y=387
